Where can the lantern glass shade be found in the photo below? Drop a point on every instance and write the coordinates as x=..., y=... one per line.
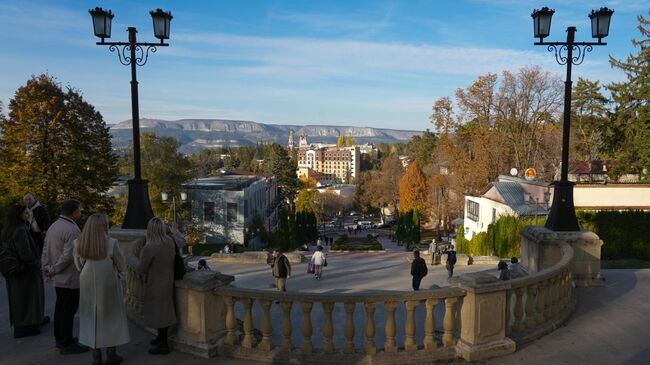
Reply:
x=164, y=196
x=183, y=196
x=542, y=22
x=161, y=22
x=102, y=22
x=600, y=22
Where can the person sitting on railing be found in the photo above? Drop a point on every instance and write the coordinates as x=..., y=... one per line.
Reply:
x=514, y=266
x=504, y=274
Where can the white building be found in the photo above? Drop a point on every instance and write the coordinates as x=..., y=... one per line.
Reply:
x=507, y=196
x=515, y=196
x=226, y=204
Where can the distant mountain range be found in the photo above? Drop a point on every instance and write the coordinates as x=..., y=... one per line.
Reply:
x=197, y=134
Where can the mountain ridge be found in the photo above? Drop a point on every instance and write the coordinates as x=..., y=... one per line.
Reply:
x=197, y=134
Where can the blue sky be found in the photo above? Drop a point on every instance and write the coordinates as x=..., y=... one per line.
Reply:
x=361, y=63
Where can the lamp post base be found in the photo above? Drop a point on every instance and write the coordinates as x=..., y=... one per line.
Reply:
x=562, y=217
x=138, y=209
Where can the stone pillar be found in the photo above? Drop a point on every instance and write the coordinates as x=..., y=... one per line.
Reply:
x=201, y=313
x=540, y=250
x=483, y=317
x=126, y=236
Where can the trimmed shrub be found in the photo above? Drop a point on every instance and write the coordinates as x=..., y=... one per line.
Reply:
x=626, y=234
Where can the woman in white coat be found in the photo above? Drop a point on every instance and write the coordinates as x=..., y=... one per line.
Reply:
x=102, y=312
x=318, y=259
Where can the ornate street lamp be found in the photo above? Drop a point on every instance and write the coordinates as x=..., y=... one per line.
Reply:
x=132, y=53
x=562, y=216
x=165, y=198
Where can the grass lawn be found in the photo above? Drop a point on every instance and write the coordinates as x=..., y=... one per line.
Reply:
x=625, y=264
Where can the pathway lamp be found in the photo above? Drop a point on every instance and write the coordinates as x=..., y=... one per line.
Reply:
x=562, y=216
x=165, y=199
x=134, y=53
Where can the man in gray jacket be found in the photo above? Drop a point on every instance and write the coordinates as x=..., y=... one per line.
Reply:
x=57, y=263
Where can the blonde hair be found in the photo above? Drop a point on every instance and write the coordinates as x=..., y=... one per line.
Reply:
x=156, y=231
x=92, y=243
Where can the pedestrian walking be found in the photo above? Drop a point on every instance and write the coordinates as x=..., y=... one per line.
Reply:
x=102, y=312
x=319, y=261
x=281, y=270
x=418, y=270
x=157, y=265
x=451, y=261
x=25, y=287
x=39, y=221
x=57, y=262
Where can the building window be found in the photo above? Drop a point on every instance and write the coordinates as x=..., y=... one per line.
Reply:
x=232, y=212
x=494, y=215
x=472, y=210
x=208, y=211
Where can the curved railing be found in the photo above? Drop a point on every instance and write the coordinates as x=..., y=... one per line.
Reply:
x=538, y=303
x=369, y=301
x=479, y=317
x=135, y=281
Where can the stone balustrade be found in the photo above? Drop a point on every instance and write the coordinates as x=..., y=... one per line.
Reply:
x=477, y=318
x=351, y=334
x=134, y=281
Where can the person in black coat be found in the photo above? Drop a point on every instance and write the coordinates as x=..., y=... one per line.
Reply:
x=25, y=288
x=39, y=220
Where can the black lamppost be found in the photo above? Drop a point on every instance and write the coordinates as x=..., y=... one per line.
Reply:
x=132, y=53
x=562, y=216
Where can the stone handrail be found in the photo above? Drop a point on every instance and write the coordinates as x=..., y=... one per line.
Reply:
x=538, y=303
x=446, y=298
x=134, y=281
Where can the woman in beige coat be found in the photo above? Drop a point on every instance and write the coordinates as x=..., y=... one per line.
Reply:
x=102, y=312
x=157, y=264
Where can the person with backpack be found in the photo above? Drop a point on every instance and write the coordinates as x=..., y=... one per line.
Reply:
x=451, y=261
x=418, y=270
x=21, y=266
x=281, y=269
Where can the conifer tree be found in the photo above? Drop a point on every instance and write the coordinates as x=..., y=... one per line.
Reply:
x=632, y=114
x=56, y=146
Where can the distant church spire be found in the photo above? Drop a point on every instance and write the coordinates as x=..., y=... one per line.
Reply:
x=292, y=143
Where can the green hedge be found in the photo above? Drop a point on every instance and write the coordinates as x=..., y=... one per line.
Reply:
x=626, y=234
x=370, y=245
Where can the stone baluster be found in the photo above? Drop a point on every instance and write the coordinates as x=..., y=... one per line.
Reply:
x=548, y=299
x=231, y=322
x=448, y=323
x=267, y=326
x=328, y=329
x=349, y=327
x=390, y=345
x=307, y=346
x=287, y=345
x=509, y=293
x=531, y=293
x=409, y=342
x=370, y=346
x=541, y=295
x=519, y=310
x=430, y=325
x=249, y=340
x=567, y=288
x=557, y=294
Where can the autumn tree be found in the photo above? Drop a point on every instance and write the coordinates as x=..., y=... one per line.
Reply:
x=413, y=192
x=380, y=189
x=632, y=106
x=341, y=141
x=56, y=145
x=165, y=167
x=350, y=141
